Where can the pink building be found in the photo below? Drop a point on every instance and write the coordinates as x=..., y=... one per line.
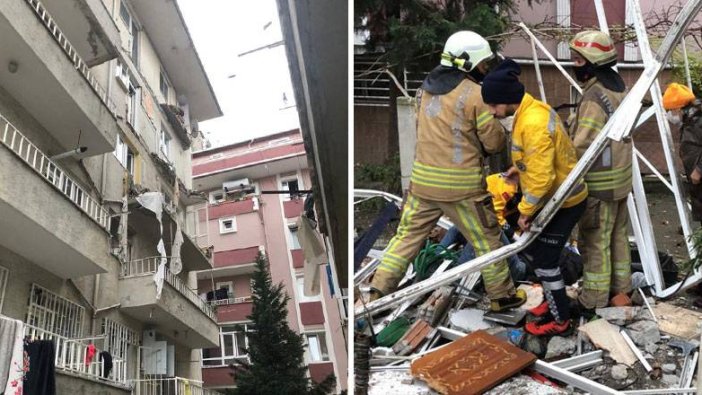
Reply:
x=239, y=221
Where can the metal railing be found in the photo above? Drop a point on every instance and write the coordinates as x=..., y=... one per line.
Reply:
x=223, y=302
x=16, y=142
x=170, y=386
x=72, y=54
x=71, y=354
x=148, y=266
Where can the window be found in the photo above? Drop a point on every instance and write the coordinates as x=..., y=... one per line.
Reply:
x=316, y=347
x=300, y=282
x=118, y=338
x=232, y=346
x=292, y=185
x=4, y=275
x=165, y=142
x=229, y=285
x=132, y=28
x=163, y=85
x=124, y=13
x=216, y=197
x=227, y=225
x=294, y=240
x=125, y=155
x=54, y=314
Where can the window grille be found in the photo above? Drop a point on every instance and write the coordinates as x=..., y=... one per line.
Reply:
x=118, y=338
x=54, y=313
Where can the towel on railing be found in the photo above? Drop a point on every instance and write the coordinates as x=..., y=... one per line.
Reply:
x=41, y=377
x=11, y=355
x=89, y=353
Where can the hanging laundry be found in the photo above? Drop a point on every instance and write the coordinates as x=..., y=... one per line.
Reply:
x=41, y=377
x=186, y=385
x=315, y=255
x=12, y=361
x=106, y=359
x=89, y=353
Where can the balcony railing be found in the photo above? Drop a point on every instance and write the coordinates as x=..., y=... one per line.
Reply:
x=170, y=386
x=68, y=49
x=70, y=357
x=15, y=141
x=148, y=266
x=223, y=302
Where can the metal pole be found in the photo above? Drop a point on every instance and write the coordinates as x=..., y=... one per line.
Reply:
x=539, y=78
x=687, y=63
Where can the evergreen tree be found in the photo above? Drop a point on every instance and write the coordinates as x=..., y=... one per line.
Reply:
x=276, y=352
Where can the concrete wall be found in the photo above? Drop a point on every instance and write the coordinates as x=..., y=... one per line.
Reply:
x=68, y=384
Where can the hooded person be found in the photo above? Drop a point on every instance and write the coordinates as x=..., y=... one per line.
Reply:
x=604, y=239
x=542, y=157
x=455, y=131
x=686, y=111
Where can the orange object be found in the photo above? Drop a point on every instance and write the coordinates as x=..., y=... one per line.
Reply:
x=471, y=365
x=620, y=300
x=677, y=96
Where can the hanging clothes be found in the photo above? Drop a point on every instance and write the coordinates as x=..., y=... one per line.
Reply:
x=11, y=355
x=41, y=377
x=315, y=255
x=106, y=359
x=186, y=385
x=89, y=353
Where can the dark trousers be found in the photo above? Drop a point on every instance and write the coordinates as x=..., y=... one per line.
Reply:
x=544, y=253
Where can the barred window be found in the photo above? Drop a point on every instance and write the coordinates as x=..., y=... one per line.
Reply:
x=54, y=313
x=118, y=338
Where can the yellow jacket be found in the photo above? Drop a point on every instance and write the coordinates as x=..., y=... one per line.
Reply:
x=454, y=133
x=543, y=154
x=501, y=192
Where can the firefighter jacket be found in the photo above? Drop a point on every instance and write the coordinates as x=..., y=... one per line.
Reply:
x=543, y=154
x=691, y=153
x=455, y=131
x=502, y=192
x=609, y=178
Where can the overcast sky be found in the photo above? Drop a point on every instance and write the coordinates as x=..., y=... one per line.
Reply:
x=249, y=88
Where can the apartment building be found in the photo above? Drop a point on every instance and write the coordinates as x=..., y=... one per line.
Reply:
x=247, y=213
x=99, y=104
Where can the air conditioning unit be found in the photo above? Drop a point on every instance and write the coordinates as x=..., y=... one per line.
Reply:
x=238, y=185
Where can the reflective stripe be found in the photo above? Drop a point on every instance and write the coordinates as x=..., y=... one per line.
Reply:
x=590, y=122
x=552, y=116
x=483, y=118
x=548, y=272
x=446, y=178
x=553, y=285
x=608, y=179
x=600, y=186
x=596, y=277
x=445, y=170
x=516, y=148
x=602, y=175
x=531, y=199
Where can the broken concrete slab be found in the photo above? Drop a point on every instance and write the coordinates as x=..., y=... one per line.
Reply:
x=468, y=320
x=623, y=315
x=607, y=337
x=670, y=379
x=535, y=296
x=560, y=346
x=668, y=367
x=678, y=321
x=644, y=332
x=619, y=372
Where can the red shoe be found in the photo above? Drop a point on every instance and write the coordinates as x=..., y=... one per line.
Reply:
x=548, y=328
x=540, y=310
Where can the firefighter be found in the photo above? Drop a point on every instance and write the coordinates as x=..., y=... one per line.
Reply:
x=604, y=242
x=543, y=156
x=685, y=110
x=455, y=131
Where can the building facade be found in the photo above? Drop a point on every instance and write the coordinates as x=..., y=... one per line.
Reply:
x=246, y=213
x=99, y=104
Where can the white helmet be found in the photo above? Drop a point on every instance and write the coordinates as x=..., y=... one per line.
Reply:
x=464, y=50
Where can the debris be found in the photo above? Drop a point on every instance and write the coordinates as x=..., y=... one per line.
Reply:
x=468, y=320
x=638, y=280
x=644, y=332
x=670, y=379
x=636, y=351
x=678, y=321
x=622, y=315
x=511, y=317
x=620, y=300
x=668, y=368
x=559, y=346
x=535, y=296
x=651, y=348
x=433, y=308
x=619, y=372
x=524, y=385
x=606, y=336
x=535, y=346
x=395, y=382
x=471, y=364
x=413, y=338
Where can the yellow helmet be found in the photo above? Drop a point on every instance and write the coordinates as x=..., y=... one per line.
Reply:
x=677, y=96
x=595, y=46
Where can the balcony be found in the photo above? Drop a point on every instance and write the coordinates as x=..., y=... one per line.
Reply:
x=43, y=71
x=42, y=205
x=179, y=314
x=70, y=355
x=171, y=386
x=233, y=309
